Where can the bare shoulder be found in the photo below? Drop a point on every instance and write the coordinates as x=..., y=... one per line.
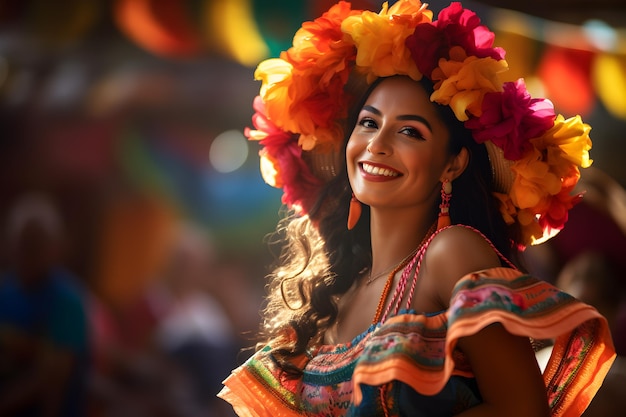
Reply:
x=461, y=249
x=454, y=253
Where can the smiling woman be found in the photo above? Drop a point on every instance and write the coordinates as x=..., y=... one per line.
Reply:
x=443, y=173
x=400, y=143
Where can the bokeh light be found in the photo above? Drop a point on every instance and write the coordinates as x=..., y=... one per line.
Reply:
x=229, y=151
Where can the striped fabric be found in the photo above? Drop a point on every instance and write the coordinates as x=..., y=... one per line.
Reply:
x=408, y=365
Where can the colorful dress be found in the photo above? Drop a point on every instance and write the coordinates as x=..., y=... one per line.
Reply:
x=408, y=365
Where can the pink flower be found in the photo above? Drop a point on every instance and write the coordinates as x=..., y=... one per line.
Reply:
x=511, y=118
x=455, y=26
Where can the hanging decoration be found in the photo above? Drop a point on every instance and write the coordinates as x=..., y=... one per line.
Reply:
x=163, y=27
x=231, y=28
x=566, y=76
x=609, y=79
x=575, y=65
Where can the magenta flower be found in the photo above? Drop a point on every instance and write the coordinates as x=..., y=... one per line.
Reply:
x=511, y=118
x=454, y=26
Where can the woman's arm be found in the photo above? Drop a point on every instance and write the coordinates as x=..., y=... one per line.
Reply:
x=507, y=373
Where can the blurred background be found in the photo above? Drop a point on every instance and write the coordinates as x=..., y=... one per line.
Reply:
x=126, y=119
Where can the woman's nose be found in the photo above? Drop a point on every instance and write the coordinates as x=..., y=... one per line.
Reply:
x=379, y=144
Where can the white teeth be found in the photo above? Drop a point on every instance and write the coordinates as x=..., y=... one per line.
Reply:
x=370, y=169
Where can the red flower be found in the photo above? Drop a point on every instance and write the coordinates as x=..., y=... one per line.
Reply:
x=511, y=118
x=454, y=26
x=556, y=214
x=300, y=186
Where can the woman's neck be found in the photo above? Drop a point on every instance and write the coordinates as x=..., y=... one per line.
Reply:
x=395, y=236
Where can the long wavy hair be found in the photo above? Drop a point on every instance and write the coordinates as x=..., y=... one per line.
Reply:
x=320, y=258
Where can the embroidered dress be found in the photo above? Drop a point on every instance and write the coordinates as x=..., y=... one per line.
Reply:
x=407, y=365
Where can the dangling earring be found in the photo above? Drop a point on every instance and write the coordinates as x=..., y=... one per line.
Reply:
x=354, y=213
x=444, y=207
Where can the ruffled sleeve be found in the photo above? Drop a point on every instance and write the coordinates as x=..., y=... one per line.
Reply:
x=257, y=389
x=420, y=350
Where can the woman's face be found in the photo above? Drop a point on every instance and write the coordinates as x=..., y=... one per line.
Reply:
x=398, y=151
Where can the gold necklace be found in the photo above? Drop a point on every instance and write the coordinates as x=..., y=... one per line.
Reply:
x=371, y=278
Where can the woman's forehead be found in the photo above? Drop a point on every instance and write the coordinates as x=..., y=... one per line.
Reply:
x=400, y=87
x=402, y=94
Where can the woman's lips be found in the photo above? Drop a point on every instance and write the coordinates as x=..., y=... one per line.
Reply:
x=376, y=172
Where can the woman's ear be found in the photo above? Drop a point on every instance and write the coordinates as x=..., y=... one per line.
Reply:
x=457, y=165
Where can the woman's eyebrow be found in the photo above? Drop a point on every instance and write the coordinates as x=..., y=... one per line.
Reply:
x=413, y=117
x=372, y=109
x=416, y=118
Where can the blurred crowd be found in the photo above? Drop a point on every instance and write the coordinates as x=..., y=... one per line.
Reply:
x=157, y=348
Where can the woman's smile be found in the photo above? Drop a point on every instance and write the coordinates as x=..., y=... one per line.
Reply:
x=378, y=172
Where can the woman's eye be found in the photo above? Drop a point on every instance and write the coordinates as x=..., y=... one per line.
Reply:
x=412, y=132
x=369, y=123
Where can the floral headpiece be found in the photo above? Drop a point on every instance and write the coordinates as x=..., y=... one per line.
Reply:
x=535, y=154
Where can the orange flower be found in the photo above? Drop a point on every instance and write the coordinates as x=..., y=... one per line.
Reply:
x=303, y=89
x=322, y=44
x=534, y=181
x=315, y=112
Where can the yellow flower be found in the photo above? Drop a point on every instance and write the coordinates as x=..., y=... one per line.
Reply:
x=411, y=8
x=380, y=38
x=462, y=85
x=275, y=77
x=567, y=142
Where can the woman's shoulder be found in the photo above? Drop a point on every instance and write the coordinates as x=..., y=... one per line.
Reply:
x=461, y=247
x=452, y=254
